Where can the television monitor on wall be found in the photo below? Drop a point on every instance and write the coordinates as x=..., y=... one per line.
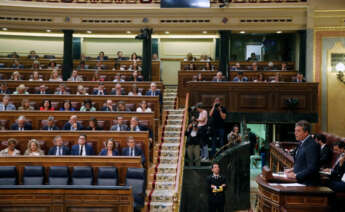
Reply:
x=185, y=3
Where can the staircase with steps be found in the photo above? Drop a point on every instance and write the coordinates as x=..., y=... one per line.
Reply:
x=163, y=175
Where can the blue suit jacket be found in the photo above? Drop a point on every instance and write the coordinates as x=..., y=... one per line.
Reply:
x=96, y=92
x=65, y=150
x=156, y=93
x=75, y=150
x=67, y=126
x=105, y=151
x=137, y=152
x=307, y=162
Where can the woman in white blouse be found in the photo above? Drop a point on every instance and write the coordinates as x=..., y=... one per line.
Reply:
x=34, y=148
x=143, y=107
x=10, y=150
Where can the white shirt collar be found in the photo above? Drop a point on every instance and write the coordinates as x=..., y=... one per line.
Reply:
x=305, y=139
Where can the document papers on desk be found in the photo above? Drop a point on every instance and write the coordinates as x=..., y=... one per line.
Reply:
x=287, y=184
x=279, y=174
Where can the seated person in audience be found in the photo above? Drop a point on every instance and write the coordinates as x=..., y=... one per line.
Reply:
x=109, y=106
x=134, y=57
x=82, y=65
x=121, y=107
x=154, y=91
x=208, y=67
x=276, y=78
x=326, y=150
x=143, y=107
x=234, y=136
x=134, y=67
x=117, y=78
x=61, y=90
x=109, y=149
x=132, y=150
x=118, y=91
x=21, y=89
x=189, y=57
x=240, y=78
x=337, y=178
x=43, y=90
x=93, y=125
x=51, y=124
x=204, y=58
x=260, y=78
x=21, y=124
x=82, y=148
x=135, y=91
x=101, y=56
x=54, y=76
x=16, y=64
x=100, y=91
x=36, y=65
x=253, y=67
x=58, y=149
x=195, y=78
x=252, y=57
x=25, y=105
x=81, y=90
x=120, y=125
x=47, y=106
x=116, y=66
x=52, y=65
x=34, y=148
x=218, y=77
x=155, y=57
x=33, y=55
x=136, y=77
x=87, y=106
x=13, y=55
x=284, y=67
x=75, y=77
x=11, y=148
x=270, y=66
x=236, y=67
x=67, y=106
x=299, y=77
x=84, y=58
x=135, y=126
x=16, y=76
x=4, y=89
x=339, y=151
x=97, y=77
x=123, y=67
x=5, y=105
x=190, y=67
x=100, y=65
x=199, y=78
x=120, y=56
x=73, y=124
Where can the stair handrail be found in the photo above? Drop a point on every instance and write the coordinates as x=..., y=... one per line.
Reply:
x=180, y=163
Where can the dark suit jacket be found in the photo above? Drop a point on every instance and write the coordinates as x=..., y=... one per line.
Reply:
x=89, y=128
x=138, y=78
x=67, y=126
x=5, y=92
x=54, y=128
x=105, y=108
x=123, y=127
x=75, y=150
x=144, y=128
x=137, y=152
x=114, y=92
x=338, y=172
x=65, y=150
x=326, y=156
x=307, y=162
x=96, y=92
x=219, y=197
x=26, y=126
x=156, y=93
x=105, y=151
x=47, y=92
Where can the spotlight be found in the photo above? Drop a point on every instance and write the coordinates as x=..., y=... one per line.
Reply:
x=167, y=32
x=88, y=31
x=4, y=29
x=279, y=32
x=128, y=32
x=48, y=30
x=242, y=32
x=204, y=32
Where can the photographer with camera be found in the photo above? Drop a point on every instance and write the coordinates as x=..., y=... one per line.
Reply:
x=202, y=128
x=193, y=143
x=218, y=116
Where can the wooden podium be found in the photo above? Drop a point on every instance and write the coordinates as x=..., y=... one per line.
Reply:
x=274, y=197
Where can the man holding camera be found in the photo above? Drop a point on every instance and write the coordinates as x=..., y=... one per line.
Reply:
x=218, y=115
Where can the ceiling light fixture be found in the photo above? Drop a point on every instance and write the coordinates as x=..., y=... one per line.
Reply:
x=242, y=32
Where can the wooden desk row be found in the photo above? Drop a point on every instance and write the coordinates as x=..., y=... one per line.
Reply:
x=72, y=86
x=62, y=199
x=260, y=64
x=108, y=63
x=256, y=97
x=77, y=100
x=87, y=74
x=96, y=138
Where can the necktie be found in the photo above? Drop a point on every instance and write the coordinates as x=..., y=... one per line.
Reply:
x=81, y=150
x=153, y=93
x=131, y=152
x=5, y=107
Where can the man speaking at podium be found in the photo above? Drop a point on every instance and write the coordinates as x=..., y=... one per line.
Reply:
x=307, y=157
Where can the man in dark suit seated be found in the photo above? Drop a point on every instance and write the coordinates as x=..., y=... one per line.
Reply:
x=135, y=77
x=326, y=151
x=109, y=106
x=51, y=124
x=100, y=90
x=337, y=178
x=21, y=124
x=154, y=92
x=135, y=126
x=120, y=126
x=72, y=124
x=133, y=150
x=118, y=90
x=82, y=148
x=43, y=90
x=4, y=89
x=59, y=149
x=307, y=157
x=218, y=77
x=5, y=105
